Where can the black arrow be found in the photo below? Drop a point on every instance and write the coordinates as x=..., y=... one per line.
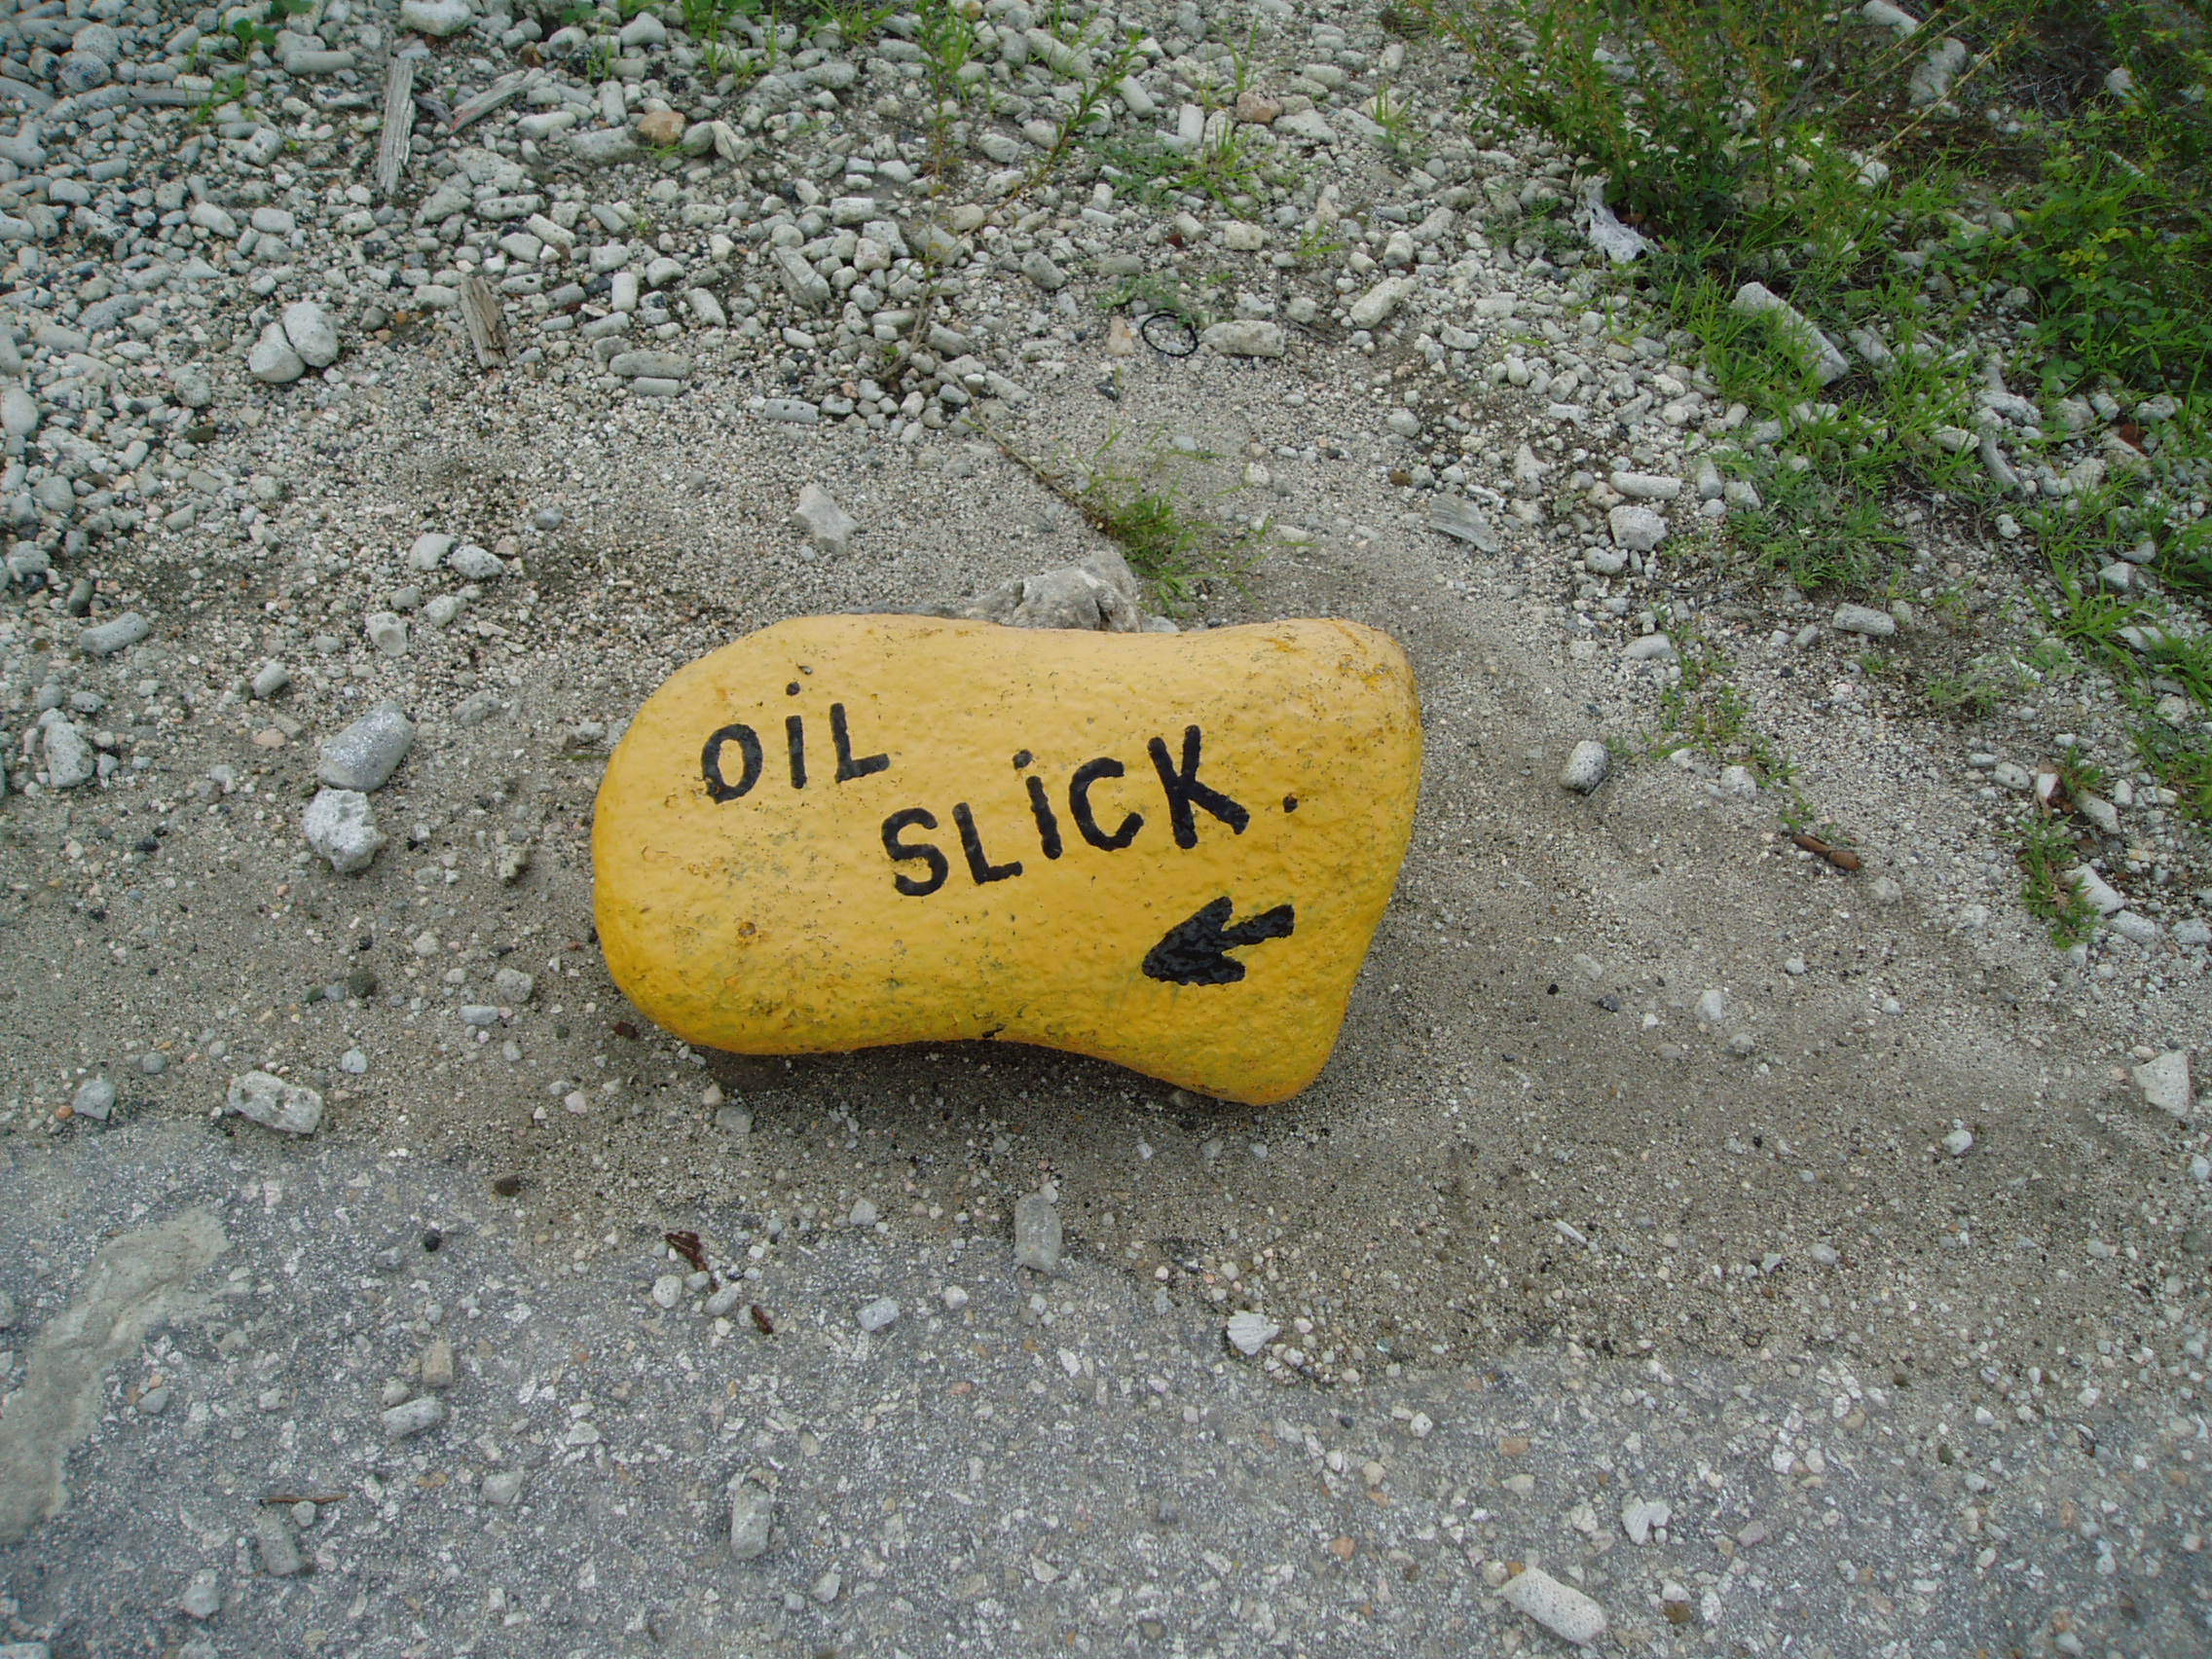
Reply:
x=1193, y=952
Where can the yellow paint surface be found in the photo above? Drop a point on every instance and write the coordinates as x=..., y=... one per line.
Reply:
x=770, y=922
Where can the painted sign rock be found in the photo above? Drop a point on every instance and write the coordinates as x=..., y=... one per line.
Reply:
x=1164, y=850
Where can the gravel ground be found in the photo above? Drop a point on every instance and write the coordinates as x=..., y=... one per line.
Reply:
x=1662, y=1160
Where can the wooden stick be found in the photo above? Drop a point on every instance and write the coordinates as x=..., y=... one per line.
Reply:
x=398, y=123
x=487, y=325
x=504, y=91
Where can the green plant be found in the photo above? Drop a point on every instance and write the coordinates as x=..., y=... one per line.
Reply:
x=2047, y=854
x=2079, y=774
x=1222, y=167
x=1394, y=116
x=857, y=22
x=1976, y=689
x=599, y=59
x=1180, y=551
x=1705, y=711
x=2181, y=760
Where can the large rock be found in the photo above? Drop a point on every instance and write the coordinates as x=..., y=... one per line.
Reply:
x=1168, y=851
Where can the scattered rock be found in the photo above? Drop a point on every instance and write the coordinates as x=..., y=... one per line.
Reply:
x=1638, y=528
x=115, y=635
x=1037, y=1233
x=876, y=1314
x=273, y=360
x=1245, y=338
x=436, y=17
x=827, y=524
x=310, y=333
x=365, y=755
x=1561, y=1609
x=1641, y=1516
x=752, y=1514
x=1864, y=619
x=1249, y=1332
x=268, y=1101
x=411, y=1418
x=94, y=1098
x=1587, y=765
x=2164, y=1083
x=341, y=826
x=1461, y=520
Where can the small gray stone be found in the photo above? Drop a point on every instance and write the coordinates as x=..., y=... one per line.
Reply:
x=1380, y=301
x=2100, y=893
x=428, y=550
x=202, y=1598
x=475, y=563
x=1639, y=528
x=1561, y=1609
x=279, y=1545
x=193, y=386
x=268, y=1101
x=19, y=411
x=271, y=678
x=876, y=1314
x=365, y=755
x=605, y=147
x=387, y=633
x=1249, y=1332
x=1587, y=765
x=2164, y=1083
x=513, y=986
x=805, y=285
x=273, y=359
x=752, y=1513
x=1245, y=338
x=504, y=1489
x=114, y=635
x=1037, y=1233
x=791, y=411
x=312, y=333
x=69, y=759
x=827, y=524
x=1864, y=619
x=436, y=17
x=437, y=1368
x=1649, y=487
x=659, y=365
x=411, y=1418
x=94, y=1098
x=1038, y=267
x=8, y=1311
x=340, y=826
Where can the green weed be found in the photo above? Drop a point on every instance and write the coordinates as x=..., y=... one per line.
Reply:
x=1980, y=688
x=1182, y=552
x=2047, y=852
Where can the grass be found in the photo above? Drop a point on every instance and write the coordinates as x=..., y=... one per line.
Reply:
x=2047, y=851
x=1182, y=552
x=2059, y=199
x=1705, y=710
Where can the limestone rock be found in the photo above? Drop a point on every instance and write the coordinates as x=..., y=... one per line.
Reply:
x=1100, y=594
x=270, y=1100
x=1166, y=850
x=340, y=826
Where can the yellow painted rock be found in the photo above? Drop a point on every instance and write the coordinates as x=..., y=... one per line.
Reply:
x=1166, y=850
